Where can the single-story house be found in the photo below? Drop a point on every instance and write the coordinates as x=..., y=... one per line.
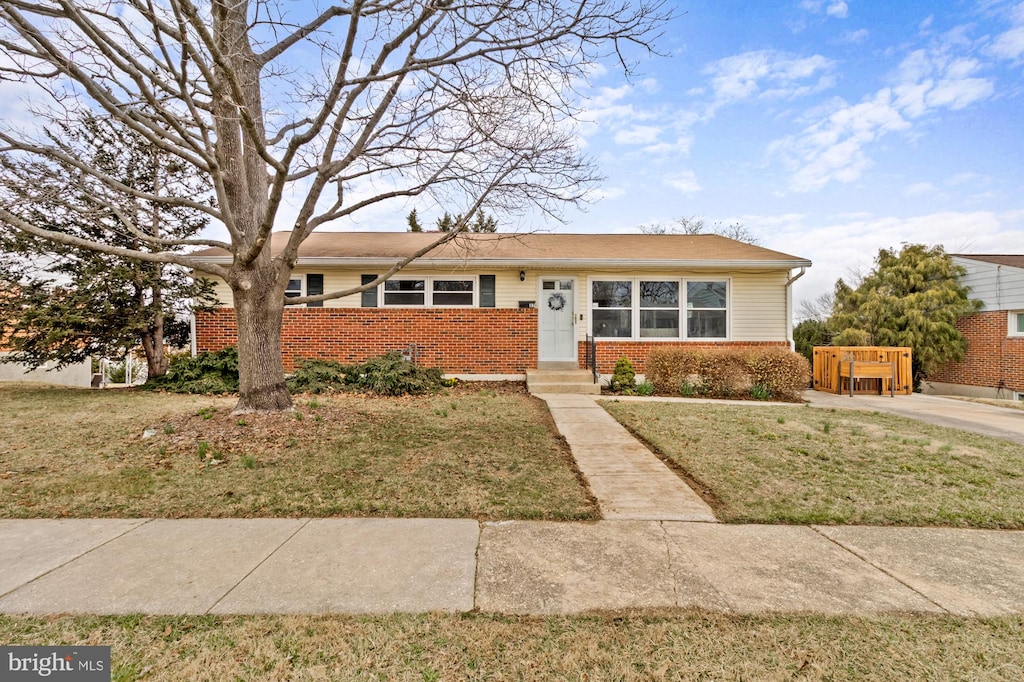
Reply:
x=994, y=365
x=497, y=305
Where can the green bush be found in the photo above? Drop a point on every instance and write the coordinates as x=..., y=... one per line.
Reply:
x=623, y=376
x=392, y=374
x=318, y=376
x=206, y=373
x=645, y=388
x=763, y=373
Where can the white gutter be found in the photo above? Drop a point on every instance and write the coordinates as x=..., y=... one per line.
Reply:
x=789, y=307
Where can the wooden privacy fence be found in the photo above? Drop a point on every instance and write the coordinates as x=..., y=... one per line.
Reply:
x=871, y=369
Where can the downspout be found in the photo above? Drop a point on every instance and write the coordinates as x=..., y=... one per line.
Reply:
x=192, y=333
x=789, y=307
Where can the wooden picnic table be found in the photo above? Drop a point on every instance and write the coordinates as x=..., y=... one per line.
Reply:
x=859, y=369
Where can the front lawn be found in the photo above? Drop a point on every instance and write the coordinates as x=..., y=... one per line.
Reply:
x=473, y=452
x=802, y=465
x=669, y=646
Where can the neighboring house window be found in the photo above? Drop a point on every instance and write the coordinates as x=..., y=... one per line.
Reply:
x=654, y=309
x=1017, y=323
x=306, y=285
x=441, y=292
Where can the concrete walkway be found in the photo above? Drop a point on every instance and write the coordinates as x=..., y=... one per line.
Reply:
x=303, y=566
x=989, y=420
x=628, y=481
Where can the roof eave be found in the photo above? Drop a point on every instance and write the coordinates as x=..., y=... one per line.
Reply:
x=558, y=263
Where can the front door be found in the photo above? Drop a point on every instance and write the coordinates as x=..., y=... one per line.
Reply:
x=557, y=313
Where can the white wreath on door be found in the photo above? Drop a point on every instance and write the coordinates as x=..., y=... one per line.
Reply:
x=556, y=302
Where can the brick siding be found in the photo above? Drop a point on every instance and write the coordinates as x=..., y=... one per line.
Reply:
x=994, y=359
x=458, y=341
x=610, y=351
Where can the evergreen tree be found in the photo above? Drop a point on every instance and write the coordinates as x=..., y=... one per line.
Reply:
x=911, y=298
x=64, y=304
x=414, y=222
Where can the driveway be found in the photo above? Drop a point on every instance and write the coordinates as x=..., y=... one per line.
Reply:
x=989, y=420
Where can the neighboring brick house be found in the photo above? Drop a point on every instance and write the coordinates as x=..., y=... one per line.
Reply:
x=496, y=305
x=994, y=365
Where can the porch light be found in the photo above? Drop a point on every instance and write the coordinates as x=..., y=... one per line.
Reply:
x=522, y=275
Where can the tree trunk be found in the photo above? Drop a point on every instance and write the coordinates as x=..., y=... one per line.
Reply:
x=259, y=310
x=153, y=345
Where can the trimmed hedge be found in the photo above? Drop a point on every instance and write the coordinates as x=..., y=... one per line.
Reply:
x=761, y=373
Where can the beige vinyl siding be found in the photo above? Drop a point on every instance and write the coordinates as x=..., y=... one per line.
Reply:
x=759, y=306
x=757, y=300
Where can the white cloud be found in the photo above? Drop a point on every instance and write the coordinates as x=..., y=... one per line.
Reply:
x=838, y=248
x=919, y=189
x=685, y=182
x=833, y=147
x=838, y=9
x=638, y=135
x=1009, y=45
x=767, y=73
x=855, y=37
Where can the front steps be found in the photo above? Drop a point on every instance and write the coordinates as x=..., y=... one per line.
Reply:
x=579, y=381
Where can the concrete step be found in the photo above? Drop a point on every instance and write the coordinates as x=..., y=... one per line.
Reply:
x=579, y=381
x=584, y=389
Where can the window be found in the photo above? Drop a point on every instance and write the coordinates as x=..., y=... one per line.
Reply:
x=1017, y=323
x=705, y=310
x=611, y=312
x=306, y=285
x=432, y=291
x=659, y=309
x=652, y=309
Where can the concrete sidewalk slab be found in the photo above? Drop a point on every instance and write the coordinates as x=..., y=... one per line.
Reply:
x=759, y=568
x=30, y=548
x=365, y=566
x=181, y=566
x=541, y=567
x=967, y=572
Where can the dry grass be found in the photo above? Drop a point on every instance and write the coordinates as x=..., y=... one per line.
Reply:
x=667, y=646
x=764, y=464
x=474, y=452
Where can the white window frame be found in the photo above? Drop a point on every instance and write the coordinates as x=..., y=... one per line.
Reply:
x=302, y=287
x=428, y=291
x=635, y=308
x=1013, y=322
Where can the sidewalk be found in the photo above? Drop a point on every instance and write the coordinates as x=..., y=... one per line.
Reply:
x=658, y=547
x=302, y=566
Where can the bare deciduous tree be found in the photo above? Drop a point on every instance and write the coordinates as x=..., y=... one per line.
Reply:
x=696, y=225
x=359, y=103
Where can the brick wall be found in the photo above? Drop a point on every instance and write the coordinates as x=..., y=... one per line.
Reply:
x=610, y=351
x=459, y=341
x=994, y=360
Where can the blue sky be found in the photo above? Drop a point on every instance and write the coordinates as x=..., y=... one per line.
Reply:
x=829, y=128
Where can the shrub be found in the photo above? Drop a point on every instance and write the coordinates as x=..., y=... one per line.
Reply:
x=763, y=373
x=392, y=374
x=206, y=373
x=645, y=388
x=317, y=376
x=623, y=376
